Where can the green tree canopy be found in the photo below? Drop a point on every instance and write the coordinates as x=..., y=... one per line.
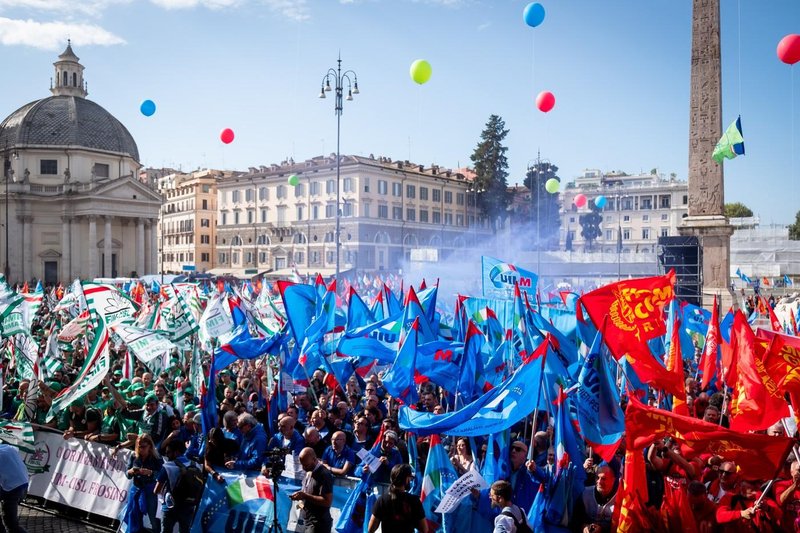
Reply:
x=543, y=209
x=590, y=225
x=794, y=229
x=491, y=169
x=737, y=210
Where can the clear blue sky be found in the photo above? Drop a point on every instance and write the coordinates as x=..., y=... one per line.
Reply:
x=619, y=70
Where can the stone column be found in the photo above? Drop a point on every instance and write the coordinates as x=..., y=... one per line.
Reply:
x=706, y=218
x=148, y=248
x=66, y=243
x=27, y=248
x=107, y=249
x=92, y=247
x=139, y=247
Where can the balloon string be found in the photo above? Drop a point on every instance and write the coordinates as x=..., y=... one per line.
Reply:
x=792, y=119
x=739, y=21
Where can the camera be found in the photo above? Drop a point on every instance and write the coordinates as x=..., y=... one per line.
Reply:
x=275, y=461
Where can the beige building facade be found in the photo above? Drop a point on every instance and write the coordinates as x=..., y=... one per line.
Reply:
x=188, y=221
x=390, y=210
x=71, y=194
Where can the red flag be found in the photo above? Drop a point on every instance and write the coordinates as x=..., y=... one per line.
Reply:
x=773, y=319
x=635, y=309
x=782, y=359
x=710, y=358
x=794, y=323
x=757, y=402
x=765, y=281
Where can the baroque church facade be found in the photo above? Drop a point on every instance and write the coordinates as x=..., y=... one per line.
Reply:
x=73, y=206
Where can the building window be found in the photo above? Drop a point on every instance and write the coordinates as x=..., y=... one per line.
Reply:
x=223, y=258
x=313, y=257
x=251, y=217
x=206, y=188
x=459, y=220
x=448, y=219
x=411, y=214
x=382, y=187
x=205, y=257
x=48, y=166
x=411, y=191
x=397, y=190
x=314, y=188
x=423, y=193
x=626, y=218
x=236, y=217
x=281, y=215
x=263, y=216
x=205, y=239
x=281, y=192
x=224, y=218
x=664, y=201
x=383, y=211
x=298, y=257
x=248, y=257
x=235, y=258
x=348, y=184
x=205, y=223
x=448, y=197
x=299, y=190
x=459, y=198
x=347, y=209
x=300, y=212
x=365, y=210
x=397, y=213
x=204, y=204
x=645, y=218
x=235, y=197
x=423, y=215
x=315, y=212
x=664, y=216
x=101, y=170
x=263, y=193
x=330, y=210
x=248, y=195
x=330, y=186
x=665, y=232
x=262, y=257
x=609, y=234
x=646, y=202
x=330, y=257
x=437, y=195
x=645, y=233
x=626, y=234
x=627, y=204
x=437, y=217
x=366, y=184
x=685, y=199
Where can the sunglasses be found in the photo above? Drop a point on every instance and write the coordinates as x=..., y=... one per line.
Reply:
x=518, y=449
x=725, y=472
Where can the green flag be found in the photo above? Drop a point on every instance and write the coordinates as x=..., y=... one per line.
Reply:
x=731, y=143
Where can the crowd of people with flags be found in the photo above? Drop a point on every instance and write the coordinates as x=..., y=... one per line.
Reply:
x=619, y=409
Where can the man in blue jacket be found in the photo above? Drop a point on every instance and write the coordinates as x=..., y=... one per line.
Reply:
x=254, y=444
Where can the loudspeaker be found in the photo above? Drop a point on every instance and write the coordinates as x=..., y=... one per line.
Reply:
x=685, y=255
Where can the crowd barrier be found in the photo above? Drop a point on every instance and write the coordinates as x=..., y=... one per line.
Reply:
x=87, y=476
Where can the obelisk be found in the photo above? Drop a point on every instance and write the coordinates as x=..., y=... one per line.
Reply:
x=706, y=218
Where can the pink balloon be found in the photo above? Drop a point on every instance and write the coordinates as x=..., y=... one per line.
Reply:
x=789, y=49
x=580, y=200
x=226, y=136
x=545, y=101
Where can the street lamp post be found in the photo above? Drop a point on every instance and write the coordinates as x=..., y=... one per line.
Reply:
x=6, y=172
x=339, y=78
x=618, y=197
x=535, y=174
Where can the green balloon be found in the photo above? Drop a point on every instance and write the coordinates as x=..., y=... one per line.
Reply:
x=421, y=71
x=552, y=185
x=294, y=180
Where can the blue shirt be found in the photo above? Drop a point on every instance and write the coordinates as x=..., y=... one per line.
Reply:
x=168, y=476
x=394, y=458
x=338, y=461
x=13, y=474
x=296, y=442
x=251, y=453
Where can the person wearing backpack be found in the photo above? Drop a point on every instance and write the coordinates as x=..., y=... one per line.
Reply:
x=181, y=481
x=511, y=519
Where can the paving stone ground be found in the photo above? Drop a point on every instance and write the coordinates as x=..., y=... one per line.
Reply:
x=35, y=520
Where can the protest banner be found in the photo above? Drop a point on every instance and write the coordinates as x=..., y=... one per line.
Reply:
x=460, y=489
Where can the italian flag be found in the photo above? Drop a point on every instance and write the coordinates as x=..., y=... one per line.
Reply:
x=439, y=475
x=246, y=489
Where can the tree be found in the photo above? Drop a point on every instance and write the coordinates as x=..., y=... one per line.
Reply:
x=794, y=229
x=737, y=210
x=590, y=225
x=491, y=165
x=543, y=213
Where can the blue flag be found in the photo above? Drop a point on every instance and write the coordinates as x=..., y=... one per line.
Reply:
x=241, y=345
x=399, y=380
x=743, y=277
x=601, y=418
x=497, y=410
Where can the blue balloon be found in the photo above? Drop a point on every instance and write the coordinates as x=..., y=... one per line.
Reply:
x=600, y=201
x=148, y=108
x=533, y=14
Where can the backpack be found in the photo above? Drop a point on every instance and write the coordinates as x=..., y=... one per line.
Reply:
x=521, y=526
x=189, y=484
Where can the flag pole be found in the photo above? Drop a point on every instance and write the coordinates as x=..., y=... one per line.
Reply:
x=536, y=410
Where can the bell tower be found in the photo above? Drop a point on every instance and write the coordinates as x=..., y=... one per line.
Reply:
x=69, y=75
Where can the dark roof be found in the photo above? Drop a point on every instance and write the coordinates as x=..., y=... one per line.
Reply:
x=67, y=121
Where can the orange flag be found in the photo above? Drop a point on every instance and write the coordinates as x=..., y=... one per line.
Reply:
x=756, y=402
x=675, y=366
x=709, y=361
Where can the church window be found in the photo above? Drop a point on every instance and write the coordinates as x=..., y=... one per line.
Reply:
x=48, y=166
x=66, y=80
x=101, y=170
x=74, y=79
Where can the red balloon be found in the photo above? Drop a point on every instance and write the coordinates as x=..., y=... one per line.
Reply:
x=226, y=136
x=580, y=200
x=545, y=101
x=789, y=49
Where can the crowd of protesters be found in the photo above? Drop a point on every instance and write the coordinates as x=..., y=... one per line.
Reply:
x=326, y=425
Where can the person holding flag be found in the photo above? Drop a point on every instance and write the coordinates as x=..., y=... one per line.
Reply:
x=397, y=511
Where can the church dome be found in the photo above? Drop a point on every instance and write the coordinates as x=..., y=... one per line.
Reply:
x=65, y=120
